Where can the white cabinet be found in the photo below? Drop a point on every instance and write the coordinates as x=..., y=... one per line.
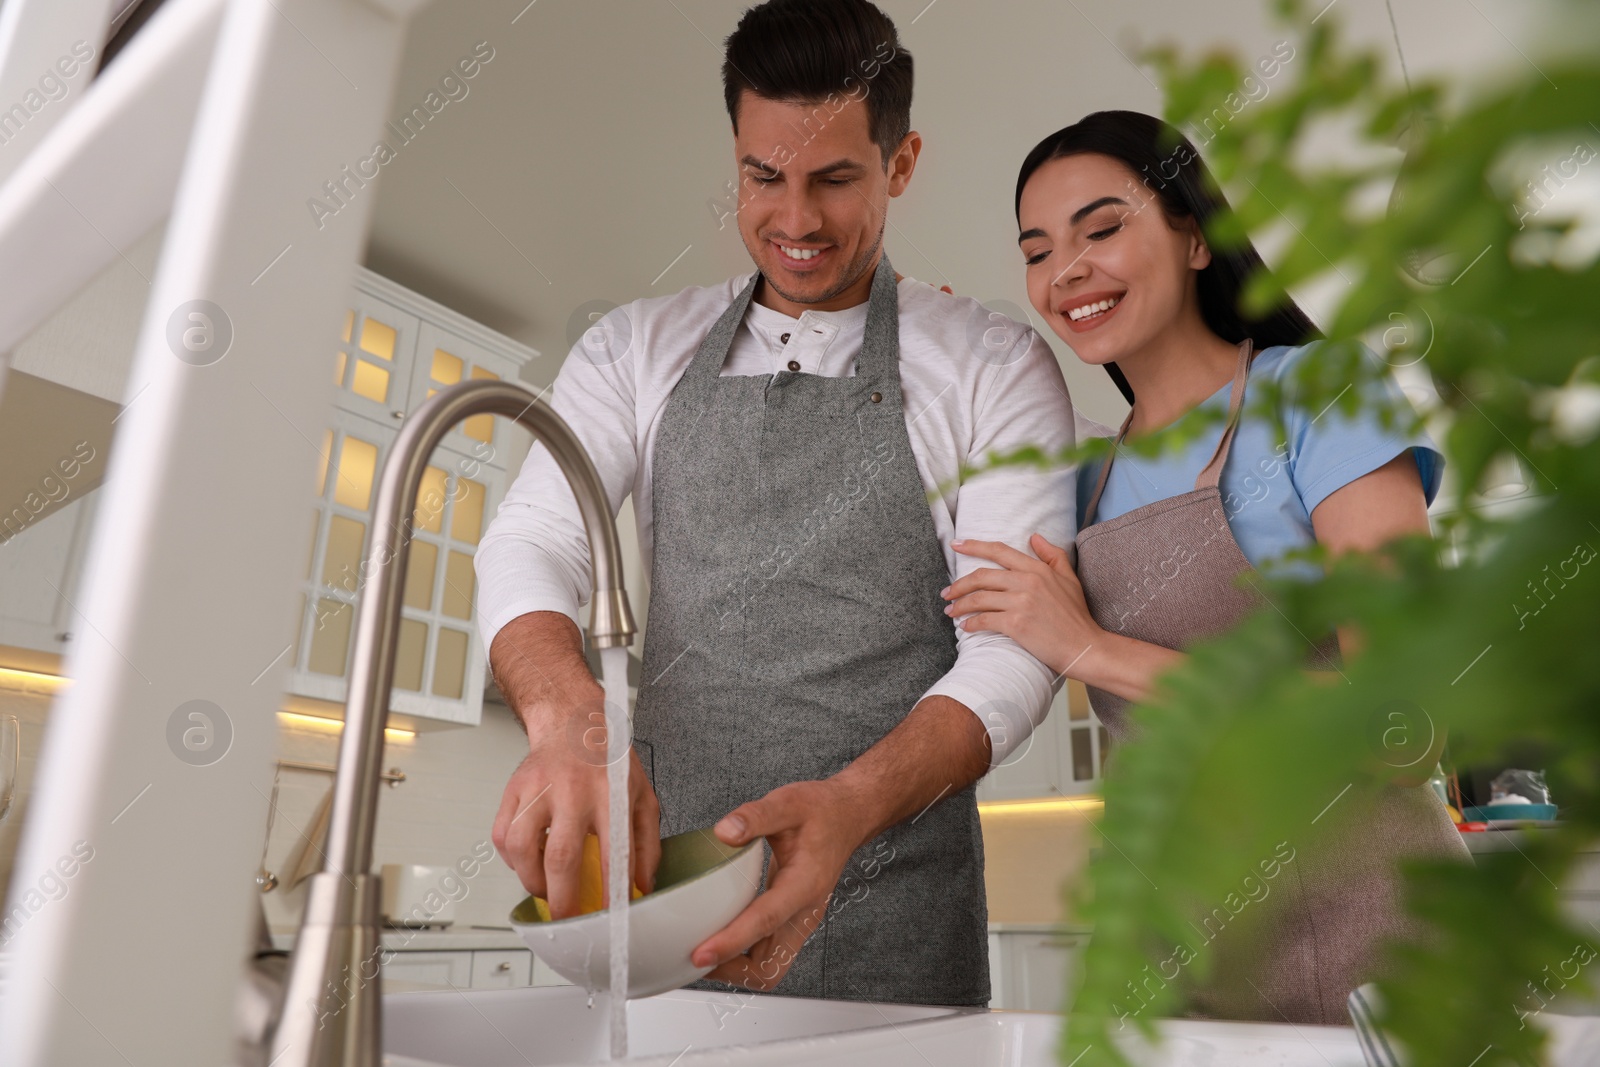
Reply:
x=374, y=356
x=1062, y=757
x=1580, y=891
x=463, y=969
x=544, y=975
x=1033, y=968
x=446, y=357
x=430, y=968
x=39, y=570
x=502, y=970
x=395, y=350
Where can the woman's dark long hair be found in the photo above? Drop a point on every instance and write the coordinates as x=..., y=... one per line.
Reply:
x=1168, y=165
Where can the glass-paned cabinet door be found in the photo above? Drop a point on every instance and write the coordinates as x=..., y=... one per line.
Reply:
x=1082, y=740
x=353, y=449
x=1062, y=757
x=444, y=359
x=440, y=663
x=373, y=360
x=439, y=667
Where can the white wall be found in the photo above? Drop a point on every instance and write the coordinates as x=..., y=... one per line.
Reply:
x=580, y=163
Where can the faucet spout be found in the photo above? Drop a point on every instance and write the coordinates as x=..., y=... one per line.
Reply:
x=330, y=1013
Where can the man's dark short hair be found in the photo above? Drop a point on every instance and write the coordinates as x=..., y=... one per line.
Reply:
x=823, y=52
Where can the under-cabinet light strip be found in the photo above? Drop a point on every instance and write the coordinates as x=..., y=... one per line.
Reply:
x=17, y=678
x=393, y=733
x=1087, y=805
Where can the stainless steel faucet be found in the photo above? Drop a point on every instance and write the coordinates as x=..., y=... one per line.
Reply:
x=326, y=1010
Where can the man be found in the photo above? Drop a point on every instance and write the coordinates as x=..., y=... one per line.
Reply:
x=794, y=441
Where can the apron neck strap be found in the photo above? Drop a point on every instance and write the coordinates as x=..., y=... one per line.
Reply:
x=880, y=339
x=706, y=365
x=1105, y=471
x=1212, y=472
x=880, y=343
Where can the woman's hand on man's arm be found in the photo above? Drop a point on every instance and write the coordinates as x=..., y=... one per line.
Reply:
x=1040, y=605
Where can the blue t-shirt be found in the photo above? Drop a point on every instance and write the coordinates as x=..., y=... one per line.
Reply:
x=1270, y=490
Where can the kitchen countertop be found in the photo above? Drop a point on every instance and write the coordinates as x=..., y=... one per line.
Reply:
x=1510, y=840
x=472, y=939
x=1040, y=928
x=450, y=939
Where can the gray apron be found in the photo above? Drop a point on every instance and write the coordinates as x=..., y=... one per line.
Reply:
x=1168, y=573
x=795, y=619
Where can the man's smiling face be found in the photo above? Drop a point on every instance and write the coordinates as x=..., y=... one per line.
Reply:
x=814, y=195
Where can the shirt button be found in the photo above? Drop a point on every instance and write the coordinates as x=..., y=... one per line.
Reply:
x=794, y=364
x=877, y=398
x=784, y=339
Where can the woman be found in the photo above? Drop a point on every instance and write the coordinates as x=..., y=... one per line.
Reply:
x=1112, y=213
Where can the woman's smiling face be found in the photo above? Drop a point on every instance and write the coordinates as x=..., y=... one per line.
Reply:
x=1106, y=268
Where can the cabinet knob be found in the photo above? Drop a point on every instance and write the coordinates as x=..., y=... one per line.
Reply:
x=504, y=967
x=398, y=414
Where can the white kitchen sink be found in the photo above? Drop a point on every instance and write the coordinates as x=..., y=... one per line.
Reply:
x=551, y=1026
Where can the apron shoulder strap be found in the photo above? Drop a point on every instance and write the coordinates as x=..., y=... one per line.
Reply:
x=880, y=339
x=1212, y=474
x=1105, y=470
x=706, y=365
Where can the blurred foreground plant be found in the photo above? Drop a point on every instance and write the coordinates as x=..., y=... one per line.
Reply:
x=1470, y=271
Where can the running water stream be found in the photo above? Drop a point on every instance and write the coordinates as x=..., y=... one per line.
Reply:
x=614, y=678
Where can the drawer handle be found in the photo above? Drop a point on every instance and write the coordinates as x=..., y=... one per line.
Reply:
x=504, y=967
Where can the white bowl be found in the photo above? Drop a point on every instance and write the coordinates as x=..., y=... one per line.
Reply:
x=701, y=886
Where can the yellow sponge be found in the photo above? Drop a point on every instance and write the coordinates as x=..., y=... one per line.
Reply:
x=591, y=896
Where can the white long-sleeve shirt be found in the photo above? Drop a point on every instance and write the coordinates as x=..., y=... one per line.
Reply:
x=974, y=383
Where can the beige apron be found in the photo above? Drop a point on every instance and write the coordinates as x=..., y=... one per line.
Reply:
x=1168, y=573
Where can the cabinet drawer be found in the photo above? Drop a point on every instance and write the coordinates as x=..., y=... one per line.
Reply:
x=543, y=975
x=430, y=968
x=1584, y=876
x=502, y=969
x=1033, y=971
